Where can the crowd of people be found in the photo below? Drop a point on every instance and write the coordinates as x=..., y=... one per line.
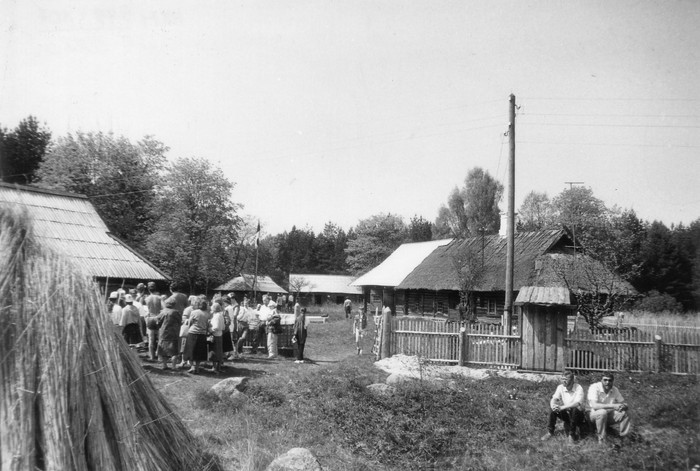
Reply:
x=186, y=331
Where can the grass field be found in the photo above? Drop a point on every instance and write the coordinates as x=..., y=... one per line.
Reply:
x=324, y=406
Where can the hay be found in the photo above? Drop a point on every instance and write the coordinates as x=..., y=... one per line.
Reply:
x=73, y=395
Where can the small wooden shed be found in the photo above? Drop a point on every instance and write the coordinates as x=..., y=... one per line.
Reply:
x=544, y=319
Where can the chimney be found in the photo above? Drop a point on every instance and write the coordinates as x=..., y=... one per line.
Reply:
x=502, y=231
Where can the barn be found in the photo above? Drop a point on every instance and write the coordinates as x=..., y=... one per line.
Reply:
x=317, y=289
x=68, y=223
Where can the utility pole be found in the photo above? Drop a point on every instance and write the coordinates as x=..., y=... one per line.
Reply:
x=510, y=227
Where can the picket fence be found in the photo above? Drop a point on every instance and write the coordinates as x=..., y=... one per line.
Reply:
x=437, y=340
x=646, y=348
x=631, y=348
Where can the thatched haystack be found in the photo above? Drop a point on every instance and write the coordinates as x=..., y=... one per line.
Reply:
x=73, y=396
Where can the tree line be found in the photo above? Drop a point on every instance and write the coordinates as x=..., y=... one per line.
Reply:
x=182, y=216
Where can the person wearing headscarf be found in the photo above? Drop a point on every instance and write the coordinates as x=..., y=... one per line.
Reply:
x=272, y=327
x=196, y=344
x=299, y=335
x=169, y=333
x=131, y=330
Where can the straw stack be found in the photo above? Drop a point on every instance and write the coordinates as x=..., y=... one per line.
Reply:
x=72, y=394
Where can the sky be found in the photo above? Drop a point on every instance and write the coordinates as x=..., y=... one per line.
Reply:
x=333, y=111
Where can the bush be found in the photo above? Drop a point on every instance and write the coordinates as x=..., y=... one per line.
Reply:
x=654, y=301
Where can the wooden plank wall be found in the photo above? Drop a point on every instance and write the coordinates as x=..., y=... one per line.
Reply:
x=543, y=334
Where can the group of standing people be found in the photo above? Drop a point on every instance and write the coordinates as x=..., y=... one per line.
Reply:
x=190, y=330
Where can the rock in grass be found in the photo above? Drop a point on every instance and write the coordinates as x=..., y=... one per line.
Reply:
x=230, y=388
x=397, y=378
x=296, y=459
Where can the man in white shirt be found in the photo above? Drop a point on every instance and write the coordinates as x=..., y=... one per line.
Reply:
x=608, y=407
x=566, y=404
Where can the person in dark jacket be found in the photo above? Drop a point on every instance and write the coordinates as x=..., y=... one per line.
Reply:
x=299, y=336
x=170, y=321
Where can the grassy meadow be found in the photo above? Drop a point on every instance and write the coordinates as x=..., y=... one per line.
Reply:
x=470, y=424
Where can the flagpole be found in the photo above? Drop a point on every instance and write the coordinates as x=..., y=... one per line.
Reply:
x=255, y=276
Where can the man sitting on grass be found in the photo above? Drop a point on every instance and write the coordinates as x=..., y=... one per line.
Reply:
x=608, y=408
x=567, y=405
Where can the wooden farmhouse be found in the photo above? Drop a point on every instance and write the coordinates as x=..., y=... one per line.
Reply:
x=379, y=284
x=319, y=289
x=247, y=284
x=68, y=223
x=541, y=258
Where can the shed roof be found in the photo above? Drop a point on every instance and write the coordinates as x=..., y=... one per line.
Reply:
x=546, y=295
x=400, y=263
x=245, y=282
x=327, y=284
x=69, y=224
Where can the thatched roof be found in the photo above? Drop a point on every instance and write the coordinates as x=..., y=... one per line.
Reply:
x=263, y=284
x=68, y=223
x=72, y=393
x=400, y=263
x=327, y=284
x=541, y=258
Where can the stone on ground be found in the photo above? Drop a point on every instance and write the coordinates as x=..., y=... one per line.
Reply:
x=296, y=459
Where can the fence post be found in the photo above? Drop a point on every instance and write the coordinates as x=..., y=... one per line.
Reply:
x=386, y=335
x=463, y=346
x=658, y=350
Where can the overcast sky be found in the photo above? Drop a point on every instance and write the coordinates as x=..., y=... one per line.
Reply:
x=338, y=110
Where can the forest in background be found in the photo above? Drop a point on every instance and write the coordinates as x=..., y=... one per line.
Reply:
x=183, y=216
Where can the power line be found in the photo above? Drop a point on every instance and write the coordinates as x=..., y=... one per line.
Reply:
x=601, y=115
x=608, y=99
x=588, y=125
x=604, y=144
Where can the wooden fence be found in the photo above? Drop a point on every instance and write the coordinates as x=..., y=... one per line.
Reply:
x=440, y=341
x=627, y=348
x=632, y=348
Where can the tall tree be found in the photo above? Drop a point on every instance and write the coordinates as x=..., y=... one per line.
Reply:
x=582, y=213
x=375, y=238
x=472, y=209
x=22, y=150
x=419, y=229
x=295, y=253
x=329, y=248
x=118, y=176
x=196, y=225
x=536, y=213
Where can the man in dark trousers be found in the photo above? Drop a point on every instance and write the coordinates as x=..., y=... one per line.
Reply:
x=566, y=404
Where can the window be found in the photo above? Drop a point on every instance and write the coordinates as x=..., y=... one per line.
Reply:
x=491, y=308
